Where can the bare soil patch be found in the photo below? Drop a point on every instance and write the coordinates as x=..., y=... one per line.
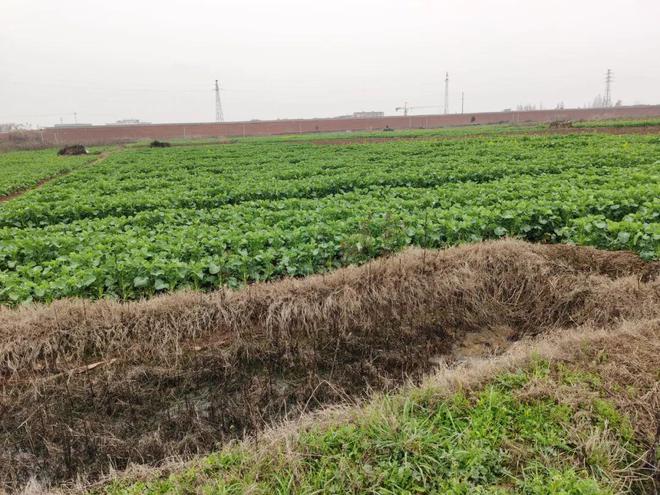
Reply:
x=87, y=384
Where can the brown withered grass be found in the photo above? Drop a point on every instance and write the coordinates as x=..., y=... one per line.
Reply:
x=89, y=385
x=624, y=356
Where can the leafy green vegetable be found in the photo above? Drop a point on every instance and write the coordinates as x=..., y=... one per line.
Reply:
x=23, y=169
x=202, y=217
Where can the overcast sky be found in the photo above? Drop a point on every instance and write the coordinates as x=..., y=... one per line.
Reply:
x=156, y=60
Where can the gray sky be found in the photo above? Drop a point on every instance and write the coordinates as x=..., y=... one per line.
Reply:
x=156, y=59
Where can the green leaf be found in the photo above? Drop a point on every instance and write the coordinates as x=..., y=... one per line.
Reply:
x=623, y=237
x=140, y=281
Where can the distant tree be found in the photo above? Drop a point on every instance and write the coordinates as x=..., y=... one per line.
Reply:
x=9, y=127
x=618, y=103
x=13, y=127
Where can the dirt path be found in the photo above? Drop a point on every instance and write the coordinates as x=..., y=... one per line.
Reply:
x=15, y=194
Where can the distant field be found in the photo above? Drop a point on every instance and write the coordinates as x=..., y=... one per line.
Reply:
x=618, y=123
x=402, y=133
x=23, y=169
x=91, y=388
x=153, y=220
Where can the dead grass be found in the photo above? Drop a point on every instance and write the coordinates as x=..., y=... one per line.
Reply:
x=512, y=283
x=88, y=385
x=624, y=357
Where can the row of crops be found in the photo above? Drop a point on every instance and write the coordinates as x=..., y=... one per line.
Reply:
x=647, y=122
x=21, y=170
x=441, y=132
x=146, y=220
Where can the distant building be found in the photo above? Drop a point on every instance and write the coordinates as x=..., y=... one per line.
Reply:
x=362, y=115
x=72, y=125
x=368, y=115
x=129, y=122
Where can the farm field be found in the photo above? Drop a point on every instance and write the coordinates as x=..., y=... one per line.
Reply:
x=329, y=248
x=147, y=221
x=448, y=132
x=20, y=170
x=92, y=384
x=479, y=309
x=619, y=123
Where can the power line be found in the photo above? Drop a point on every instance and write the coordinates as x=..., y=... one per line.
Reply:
x=106, y=88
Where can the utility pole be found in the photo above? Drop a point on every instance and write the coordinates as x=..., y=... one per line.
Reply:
x=219, y=117
x=462, y=101
x=607, y=102
x=75, y=117
x=446, y=93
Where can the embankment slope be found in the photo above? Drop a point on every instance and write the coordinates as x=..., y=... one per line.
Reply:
x=87, y=384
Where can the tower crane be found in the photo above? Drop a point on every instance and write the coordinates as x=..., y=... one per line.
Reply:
x=407, y=108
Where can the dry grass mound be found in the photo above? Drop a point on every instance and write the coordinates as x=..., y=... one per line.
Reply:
x=88, y=385
x=607, y=378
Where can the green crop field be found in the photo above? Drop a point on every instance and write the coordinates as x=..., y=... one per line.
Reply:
x=146, y=221
x=23, y=169
x=441, y=132
x=649, y=122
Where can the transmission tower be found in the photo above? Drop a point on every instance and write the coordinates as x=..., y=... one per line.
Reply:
x=219, y=117
x=446, y=93
x=608, y=87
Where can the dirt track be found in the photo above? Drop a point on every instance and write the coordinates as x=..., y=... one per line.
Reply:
x=86, y=384
x=102, y=156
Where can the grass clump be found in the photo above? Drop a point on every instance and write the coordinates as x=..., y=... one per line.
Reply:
x=513, y=434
